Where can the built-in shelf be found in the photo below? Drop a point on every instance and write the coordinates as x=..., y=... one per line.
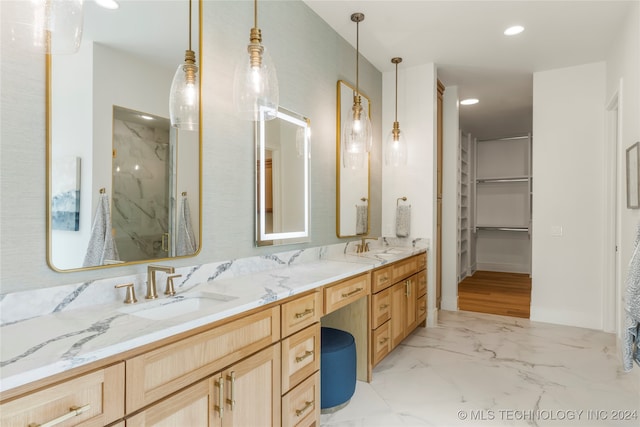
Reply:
x=510, y=179
x=497, y=228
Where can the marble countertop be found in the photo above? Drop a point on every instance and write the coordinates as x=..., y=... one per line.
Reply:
x=39, y=347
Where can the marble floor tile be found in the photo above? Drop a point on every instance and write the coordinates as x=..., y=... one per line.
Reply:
x=476, y=369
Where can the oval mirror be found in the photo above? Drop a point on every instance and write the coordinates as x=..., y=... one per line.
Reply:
x=282, y=179
x=352, y=175
x=110, y=143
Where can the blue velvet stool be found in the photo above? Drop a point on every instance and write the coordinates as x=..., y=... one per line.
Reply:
x=337, y=369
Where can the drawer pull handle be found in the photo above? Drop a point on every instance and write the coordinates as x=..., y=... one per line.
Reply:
x=232, y=394
x=307, y=405
x=422, y=309
x=74, y=411
x=220, y=405
x=304, y=356
x=384, y=340
x=383, y=279
x=383, y=306
x=304, y=313
x=353, y=292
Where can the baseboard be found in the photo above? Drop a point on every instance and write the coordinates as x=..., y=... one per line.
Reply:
x=505, y=268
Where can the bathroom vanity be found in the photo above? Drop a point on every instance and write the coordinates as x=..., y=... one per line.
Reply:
x=238, y=360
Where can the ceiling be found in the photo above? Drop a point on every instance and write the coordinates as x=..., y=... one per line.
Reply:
x=465, y=40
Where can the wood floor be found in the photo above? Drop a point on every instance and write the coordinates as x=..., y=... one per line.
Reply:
x=507, y=294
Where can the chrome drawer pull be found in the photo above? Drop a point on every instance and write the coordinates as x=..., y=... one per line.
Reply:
x=355, y=291
x=304, y=356
x=74, y=411
x=307, y=405
x=304, y=313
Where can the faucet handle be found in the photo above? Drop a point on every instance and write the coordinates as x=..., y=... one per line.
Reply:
x=170, y=290
x=130, y=297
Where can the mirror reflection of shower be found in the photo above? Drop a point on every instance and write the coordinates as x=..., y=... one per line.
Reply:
x=143, y=190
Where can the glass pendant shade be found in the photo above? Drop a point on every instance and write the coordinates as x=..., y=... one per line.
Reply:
x=395, y=153
x=58, y=25
x=184, y=103
x=255, y=85
x=357, y=136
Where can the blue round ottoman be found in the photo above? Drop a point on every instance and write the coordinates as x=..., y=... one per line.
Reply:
x=337, y=369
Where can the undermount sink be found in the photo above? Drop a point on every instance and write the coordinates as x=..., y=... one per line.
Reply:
x=179, y=305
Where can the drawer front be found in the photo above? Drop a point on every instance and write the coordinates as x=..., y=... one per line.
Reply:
x=404, y=268
x=99, y=396
x=380, y=308
x=421, y=308
x=381, y=342
x=300, y=356
x=300, y=313
x=156, y=374
x=422, y=282
x=346, y=292
x=301, y=406
x=382, y=279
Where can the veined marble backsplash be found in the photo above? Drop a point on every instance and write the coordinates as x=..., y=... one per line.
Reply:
x=18, y=306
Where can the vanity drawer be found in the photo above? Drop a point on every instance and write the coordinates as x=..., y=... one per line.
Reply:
x=382, y=278
x=300, y=356
x=301, y=406
x=300, y=313
x=380, y=343
x=380, y=308
x=404, y=268
x=421, y=308
x=344, y=293
x=422, y=282
x=422, y=261
x=156, y=374
x=100, y=392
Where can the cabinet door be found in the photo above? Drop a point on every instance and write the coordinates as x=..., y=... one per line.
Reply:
x=251, y=391
x=190, y=407
x=300, y=356
x=398, y=307
x=411, y=294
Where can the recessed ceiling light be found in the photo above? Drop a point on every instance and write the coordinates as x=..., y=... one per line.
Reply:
x=512, y=31
x=469, y=101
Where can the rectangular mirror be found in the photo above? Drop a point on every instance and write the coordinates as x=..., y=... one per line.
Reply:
x=108, y=134
x=282, y=179
x=352, y=192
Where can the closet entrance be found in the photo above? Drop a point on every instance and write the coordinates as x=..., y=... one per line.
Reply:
x=494, y=225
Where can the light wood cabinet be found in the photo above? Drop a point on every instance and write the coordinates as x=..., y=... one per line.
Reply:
x=301, y=406
x=93, y=399
x=398, y=304
x=301, y=312
x=158, y=373
x=346, y=292
x=300, y=356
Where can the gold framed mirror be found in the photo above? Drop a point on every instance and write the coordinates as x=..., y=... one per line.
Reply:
x=109, y=140
x=352, y=177
x=282, y=179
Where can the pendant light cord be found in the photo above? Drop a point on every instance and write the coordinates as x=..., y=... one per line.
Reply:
x=189, y=24
x=255, y=13
x=396, y=92
x=357, y=56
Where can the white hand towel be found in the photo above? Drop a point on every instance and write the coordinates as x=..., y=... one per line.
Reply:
x=631, y=338
x=362, y=225
x=403, y=221
x=102, y=247
x=186, y=240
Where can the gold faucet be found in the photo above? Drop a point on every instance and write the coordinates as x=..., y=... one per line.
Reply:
x=152, y=292
x=363, y=246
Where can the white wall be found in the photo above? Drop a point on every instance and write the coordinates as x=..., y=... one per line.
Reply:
x=417, y=181
x=623, y=80
x=451, y=135
x=568, y=146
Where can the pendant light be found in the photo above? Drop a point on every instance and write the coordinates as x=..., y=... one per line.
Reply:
x=184, y=105
x=357, y=136
x=396, y=145
x=58, y=25
x=255, y=83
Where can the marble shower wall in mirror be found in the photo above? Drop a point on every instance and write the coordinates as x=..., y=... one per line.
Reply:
x=352, y=191
x=109, y=108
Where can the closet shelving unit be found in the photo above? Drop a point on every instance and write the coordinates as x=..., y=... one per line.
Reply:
x=503, y=195
x=464, y=205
